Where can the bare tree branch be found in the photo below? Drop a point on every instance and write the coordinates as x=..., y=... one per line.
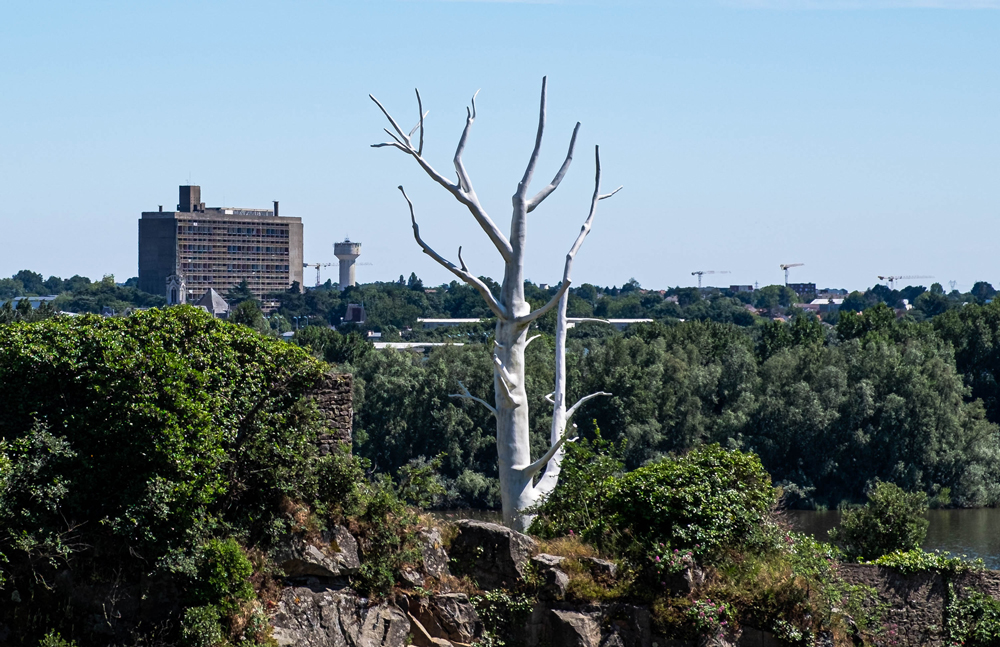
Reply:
x=584, y=230
x=506, y=381
x=531, y=339
x=505, y=375
x=461, y=273
x=605, y=196
x=468, y=396
x=463, y=177
x=547, y=456
x=548, y=398
x=389, y=117
x=393, y=144
x=554, y=184
x=572, y=410
x=420, y=111
x=522, y=188
x=463, y=195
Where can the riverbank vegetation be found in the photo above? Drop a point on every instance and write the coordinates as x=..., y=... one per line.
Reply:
x=148, y=464
x=151, y=465
x=829, y=409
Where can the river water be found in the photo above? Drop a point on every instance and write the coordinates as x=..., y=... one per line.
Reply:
x=973, y=532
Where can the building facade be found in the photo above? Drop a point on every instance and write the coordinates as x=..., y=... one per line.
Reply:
x=803, y=289
x=218, y=247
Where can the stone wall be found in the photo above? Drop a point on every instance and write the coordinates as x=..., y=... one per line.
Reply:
x=917, y=601
x=334, y=399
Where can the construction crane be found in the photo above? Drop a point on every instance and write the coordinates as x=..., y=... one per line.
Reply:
x=891, y=280
x=699, y=273
x=317, y=266
x=785, y=267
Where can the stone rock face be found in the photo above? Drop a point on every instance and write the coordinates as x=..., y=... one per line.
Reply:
x=601, y=569
x=433, y=553
x=334, y=399
x=322, y=618
x=628, y=625
x=554, y=579
x=599, y=625
x=493, y=555
x=575, y=629
x=449, y=616
x=756, y=638
x=335, y=556
x=684, y=582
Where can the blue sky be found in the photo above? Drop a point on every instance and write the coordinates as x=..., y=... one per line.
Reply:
x=858, y=137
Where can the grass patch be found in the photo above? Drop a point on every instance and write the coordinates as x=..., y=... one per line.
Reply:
x=571, y=546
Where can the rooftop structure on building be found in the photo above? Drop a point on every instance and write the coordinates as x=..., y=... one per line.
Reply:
x=431, y=324
x=186, y=252
x=415, y=345
x=213, y=302
x=821, y=306
x=619, y=324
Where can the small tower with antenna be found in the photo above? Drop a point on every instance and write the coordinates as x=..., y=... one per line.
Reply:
x=347, y=252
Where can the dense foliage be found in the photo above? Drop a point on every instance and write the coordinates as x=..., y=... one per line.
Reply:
x=891, y=520
x=973, y=619
x=703, y=500
x=141, y=447
x=827, y=409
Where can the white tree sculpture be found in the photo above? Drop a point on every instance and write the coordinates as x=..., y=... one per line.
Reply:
x=518, y=488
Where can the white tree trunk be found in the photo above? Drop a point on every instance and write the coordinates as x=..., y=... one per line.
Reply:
x=518, y=489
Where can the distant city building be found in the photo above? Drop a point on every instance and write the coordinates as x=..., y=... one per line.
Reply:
x=184, y=253
x=431, y=324
x=176, y=290
x=741, y=288
x=213, y=302
x=423, y=346
x=355, y=314
x=803, y=289
x=821, y=306
x=619, y=324
x=347, y=252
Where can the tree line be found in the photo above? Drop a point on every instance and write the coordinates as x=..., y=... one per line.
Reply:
x=908, y=396
x=829, y=409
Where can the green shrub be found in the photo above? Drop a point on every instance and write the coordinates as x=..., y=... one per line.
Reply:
x=892, y=520
x=503, y=614
x=578, y=504
x=223, y=575
x=387, y=541
x=700, y=501
x=419, y=483
x=202, y=627
x=919, y=561
x=972, y=620
x=53, y=639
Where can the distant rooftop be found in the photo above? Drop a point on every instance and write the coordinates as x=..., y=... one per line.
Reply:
x=405, y=345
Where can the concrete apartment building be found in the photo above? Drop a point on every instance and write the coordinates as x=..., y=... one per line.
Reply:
x=196, y=248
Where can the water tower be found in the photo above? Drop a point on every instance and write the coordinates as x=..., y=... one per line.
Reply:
x=347, y=252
